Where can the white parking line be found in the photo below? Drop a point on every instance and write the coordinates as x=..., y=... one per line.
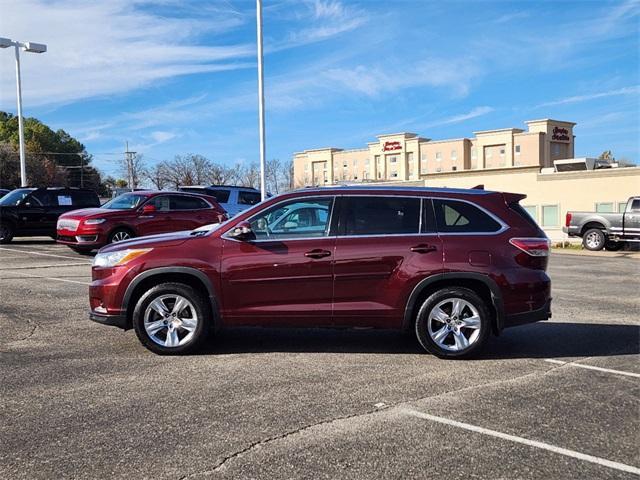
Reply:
x=57, y=265
x=591, y=367
x=31, y=252
x=525, y=441
x=52, y=278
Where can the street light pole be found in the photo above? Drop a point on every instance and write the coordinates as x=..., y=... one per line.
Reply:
x=23, y=163
x=263, y=182
x=27, y=47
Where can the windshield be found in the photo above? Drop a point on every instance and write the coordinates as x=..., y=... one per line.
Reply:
x=14, y=197
x=128, y=201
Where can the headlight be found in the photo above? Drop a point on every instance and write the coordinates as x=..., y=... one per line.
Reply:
x=94, y=221
x=112, y=259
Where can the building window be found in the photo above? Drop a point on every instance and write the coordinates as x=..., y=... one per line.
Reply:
x=454, y=168
x=366, y=161
x=604, y=207
x=393, y=159
x=550, y=215
x=502, y=151
x=394, y=174
x=423, y=163
x=345, y=164
x=438, y=156
x=454, y=155
x=488, y=152
x=555, y=148
x=517, y=149
x=474, y=157
x=532, y=210
x=622, y=206
x=438, y=169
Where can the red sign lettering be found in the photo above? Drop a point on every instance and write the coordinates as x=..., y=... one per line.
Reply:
x=390, y=146
x=561, y=134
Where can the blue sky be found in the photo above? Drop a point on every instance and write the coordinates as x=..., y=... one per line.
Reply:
x=175, y=77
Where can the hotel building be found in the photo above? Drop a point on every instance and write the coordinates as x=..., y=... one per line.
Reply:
x=534, y=162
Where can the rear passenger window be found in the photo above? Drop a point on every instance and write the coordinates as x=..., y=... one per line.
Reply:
x=222, y=196
x=453, y=216
x=381, y=215
x=248, y=198
x=161, y=203
x=179, y=202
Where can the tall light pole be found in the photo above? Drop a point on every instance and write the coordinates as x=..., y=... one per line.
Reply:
x=263, y=181
x=27, y=47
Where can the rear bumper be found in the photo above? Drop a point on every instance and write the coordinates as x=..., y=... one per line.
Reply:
x=572, y=231
x=119, y=321
x=542, y=313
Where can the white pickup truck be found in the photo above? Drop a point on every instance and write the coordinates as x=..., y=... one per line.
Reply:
x=606, y=230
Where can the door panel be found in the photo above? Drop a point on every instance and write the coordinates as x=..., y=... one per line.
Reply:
x=275, y=283
x=284, y=276
x=374, y=276
x=381, y=255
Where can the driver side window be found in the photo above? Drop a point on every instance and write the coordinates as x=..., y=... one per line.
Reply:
x=297, y=219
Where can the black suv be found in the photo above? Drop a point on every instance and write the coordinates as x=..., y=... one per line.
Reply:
x=35, y=211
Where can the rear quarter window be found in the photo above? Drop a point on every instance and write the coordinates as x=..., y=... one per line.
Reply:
x=84, y=199
x=248, y=198
x=454, y=216
x=221, y=195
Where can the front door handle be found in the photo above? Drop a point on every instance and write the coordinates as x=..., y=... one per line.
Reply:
x=423, y=248
x=317, y=253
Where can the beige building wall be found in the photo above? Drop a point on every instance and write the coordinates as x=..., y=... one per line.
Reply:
x=550, y=196
x=408, y=157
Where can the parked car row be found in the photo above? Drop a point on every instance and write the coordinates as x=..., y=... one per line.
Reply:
x=75, y=217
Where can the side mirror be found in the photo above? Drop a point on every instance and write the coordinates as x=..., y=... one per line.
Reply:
x=242, y=231
x=147, y=209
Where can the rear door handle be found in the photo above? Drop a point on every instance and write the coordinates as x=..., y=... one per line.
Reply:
x=317, y=253
x=423, y=248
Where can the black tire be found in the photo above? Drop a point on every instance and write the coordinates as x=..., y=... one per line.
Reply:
x=594, y=239
x=202, y=330
x=6, y=233
x=479, y=339
x=612, y=246
x=114, y=235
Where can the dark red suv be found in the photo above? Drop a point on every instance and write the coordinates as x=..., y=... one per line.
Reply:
x=451, y=265
x=135, y=215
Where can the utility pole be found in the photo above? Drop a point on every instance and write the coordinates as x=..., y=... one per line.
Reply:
x=129, y=159
x=263, y=180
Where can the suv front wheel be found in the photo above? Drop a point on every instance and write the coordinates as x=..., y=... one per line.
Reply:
x=171, y=319
x=453, y=323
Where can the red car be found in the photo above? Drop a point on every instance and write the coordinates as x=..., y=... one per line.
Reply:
x=136, y=215
x=451, y=265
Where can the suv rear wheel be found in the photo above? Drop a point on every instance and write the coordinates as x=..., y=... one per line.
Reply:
x=171, y=319
x=453, y=323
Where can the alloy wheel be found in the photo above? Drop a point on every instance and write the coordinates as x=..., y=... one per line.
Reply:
x=121, y=236
x=593, y=240
x=454, y=324
x=170, y=320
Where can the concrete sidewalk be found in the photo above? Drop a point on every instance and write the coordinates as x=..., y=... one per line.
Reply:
x=634, y=255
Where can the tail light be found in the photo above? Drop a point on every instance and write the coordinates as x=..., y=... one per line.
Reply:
x=533, y=252
x=567, y=220
x=535, y=247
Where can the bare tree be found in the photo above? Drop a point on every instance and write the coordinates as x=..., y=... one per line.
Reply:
x=138, y=169
x=251, y=176
x=157, y=175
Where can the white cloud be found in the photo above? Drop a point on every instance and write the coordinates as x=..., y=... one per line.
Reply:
x=592, y=96
x=161, y=136
x=459, y=118
x=104, y=48
x=451, y=74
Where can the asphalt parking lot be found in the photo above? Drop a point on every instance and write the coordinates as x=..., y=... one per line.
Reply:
x=558, y=399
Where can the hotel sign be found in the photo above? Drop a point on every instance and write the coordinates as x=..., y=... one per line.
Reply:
x=560, y=134
x=391, y=146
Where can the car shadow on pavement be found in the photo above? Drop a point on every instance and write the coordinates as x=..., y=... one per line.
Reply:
x=558, y=340
x=540, y=340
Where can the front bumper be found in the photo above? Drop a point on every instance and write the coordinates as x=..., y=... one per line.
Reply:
x=82, y=237
x=119, y=321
